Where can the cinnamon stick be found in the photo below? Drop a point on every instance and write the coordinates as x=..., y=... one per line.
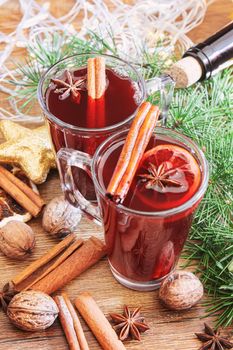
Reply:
x=91, y=114
x=57, y=262
x=67, y=323
x=96, y=79
x=70, y=323
x=35, y=197
x=60, y=265
x=127, y=149
x=87, y=255
x=20, y=192
x=136, y=142
x=141, y=143
x=91, y=77
x=100, y=77
x=100, y=112
x=96, y=85
x=52, y=253
x=98, y=323
x=77, y=325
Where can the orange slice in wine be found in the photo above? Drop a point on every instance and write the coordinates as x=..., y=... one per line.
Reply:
x=168, y=176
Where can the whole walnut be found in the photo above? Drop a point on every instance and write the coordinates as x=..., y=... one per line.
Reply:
x=60, y=217
x=32, y=311
x=17, y=240
x=181, y=290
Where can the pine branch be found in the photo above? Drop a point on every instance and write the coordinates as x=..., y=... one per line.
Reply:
x=205, y=114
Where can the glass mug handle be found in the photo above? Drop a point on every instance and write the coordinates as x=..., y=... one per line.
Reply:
x=165, y=86
x=68, y=158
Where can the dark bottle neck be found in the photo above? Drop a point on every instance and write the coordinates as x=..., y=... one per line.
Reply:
x=214, y=52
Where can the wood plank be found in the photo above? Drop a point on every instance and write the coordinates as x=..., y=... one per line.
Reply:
x=169, y=330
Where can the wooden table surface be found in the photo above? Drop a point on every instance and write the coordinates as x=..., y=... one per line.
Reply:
x=168, y=330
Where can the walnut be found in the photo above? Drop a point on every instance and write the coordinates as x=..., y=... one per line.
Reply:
x=60, y=217
x=181, y=290
x=17, y=240
x=32, y=311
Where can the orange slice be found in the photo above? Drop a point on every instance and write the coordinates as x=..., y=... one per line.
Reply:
x=168, y=176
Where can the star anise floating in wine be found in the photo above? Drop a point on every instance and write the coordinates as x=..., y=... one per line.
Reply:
x=212, y=339
x=129, y=324
x=6, y=295
x=140, y=248
x=159, y=177
x=69, y=86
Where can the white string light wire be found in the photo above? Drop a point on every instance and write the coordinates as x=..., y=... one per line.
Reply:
x=133, y=26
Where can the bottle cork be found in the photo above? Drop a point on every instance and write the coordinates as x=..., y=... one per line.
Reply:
x=185, y=72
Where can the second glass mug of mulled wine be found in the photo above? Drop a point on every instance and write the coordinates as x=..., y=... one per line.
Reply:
x=145, y=234
x=72, y=120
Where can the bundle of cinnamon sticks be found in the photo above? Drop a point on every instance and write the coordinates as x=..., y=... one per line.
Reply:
x=61, y=264
x=70, y=323
x=20, y=192
x=93, y=316
x=134, y=147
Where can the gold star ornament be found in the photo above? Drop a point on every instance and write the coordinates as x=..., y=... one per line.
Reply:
x=28, y=148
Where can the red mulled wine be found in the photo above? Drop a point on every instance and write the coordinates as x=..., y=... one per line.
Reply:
x=119, y=103
x=141, y=246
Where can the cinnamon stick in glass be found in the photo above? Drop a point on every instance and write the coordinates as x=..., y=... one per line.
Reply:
x=91, y=122
x=143, y=138
x=128, y=148
x=134, y=147
x=98, y=323
x=100, y=77
x=91, y=77
x=96, y=85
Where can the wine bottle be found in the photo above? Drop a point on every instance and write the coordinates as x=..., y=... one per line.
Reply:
x=202, y=61
x=215, y=53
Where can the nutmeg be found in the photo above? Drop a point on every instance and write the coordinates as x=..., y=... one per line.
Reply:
x=181, y=290
x=17, y=240
x=32, y=311
x=60, y=217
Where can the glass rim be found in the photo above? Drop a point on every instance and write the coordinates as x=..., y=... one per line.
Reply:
x=164, y=213
x=59, y=122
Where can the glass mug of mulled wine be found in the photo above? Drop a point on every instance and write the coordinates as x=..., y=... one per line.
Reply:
x=145, y=234
x=74, y=121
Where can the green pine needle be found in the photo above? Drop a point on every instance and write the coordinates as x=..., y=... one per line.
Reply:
x=204, y=113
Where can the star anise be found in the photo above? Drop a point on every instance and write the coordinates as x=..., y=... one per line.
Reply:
x=140, y=248
x=6, y=295
x=159, y=177
x=212, y=339
x=129, y=324
x=69, y=86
